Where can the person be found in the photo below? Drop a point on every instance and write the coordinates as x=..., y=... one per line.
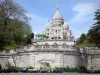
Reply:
x=0, y=67
x=41, y=69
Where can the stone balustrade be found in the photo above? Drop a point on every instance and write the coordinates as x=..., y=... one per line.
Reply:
x=41, y=40
x=54, y=48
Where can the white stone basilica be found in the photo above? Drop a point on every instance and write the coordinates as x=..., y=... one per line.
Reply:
x=58, y=29
x=58, y=50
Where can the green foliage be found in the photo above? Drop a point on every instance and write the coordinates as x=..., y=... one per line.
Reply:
x=30, y=67
x=80, y=68
x=94, y=35
x=41, y=36
x=29, y=37
x=9, y=47
x=94, y=32
x=85, y=43
x=13, y=25
x=57, y=69
x=13, y=68
x=81, y=39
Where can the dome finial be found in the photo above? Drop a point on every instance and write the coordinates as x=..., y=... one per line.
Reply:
x=48, y=20
x=57, y=7
x=65, y=19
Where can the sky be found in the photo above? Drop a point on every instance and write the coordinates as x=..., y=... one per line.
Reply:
x=79, y=13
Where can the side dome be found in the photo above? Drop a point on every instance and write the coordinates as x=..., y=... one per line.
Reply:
x=48, y=24
x=65, y=25
x=57, y=15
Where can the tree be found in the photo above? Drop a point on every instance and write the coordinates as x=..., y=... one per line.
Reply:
x=14, y=27
x=81, y=39
x=42, y=36
x=29, y=37
x=93, y=33
x=13, y=24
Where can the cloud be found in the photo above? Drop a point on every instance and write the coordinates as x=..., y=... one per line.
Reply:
x=83, y=11
x=83, y=19
x=37, y=23
x=84, y=8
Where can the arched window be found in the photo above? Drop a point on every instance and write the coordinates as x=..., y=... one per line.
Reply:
x=37, y=46
x=56, y=31
x=64, y=37
x=46, y=45
x=73, y=46
x=59, y=25
x=55, y=37
x=67, y=46
x=59, y=37
x=55, y=45
x=40, y=46
x=64, y=45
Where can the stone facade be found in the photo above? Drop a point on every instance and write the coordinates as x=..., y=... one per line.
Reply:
x=58, y=50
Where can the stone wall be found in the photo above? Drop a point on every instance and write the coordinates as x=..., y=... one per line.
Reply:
x=4, y=61
x=90, y=57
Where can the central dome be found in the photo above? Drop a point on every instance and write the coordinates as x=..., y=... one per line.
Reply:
x=57, y=15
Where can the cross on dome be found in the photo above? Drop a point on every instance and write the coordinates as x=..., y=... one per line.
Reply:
x=48, y=20
x=48, y=24
x=57, y=7
x=65, y=19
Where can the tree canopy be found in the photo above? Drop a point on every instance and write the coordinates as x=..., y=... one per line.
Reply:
x=41, y=36
x=94, y=32
x=14, y=25
x=83, y=41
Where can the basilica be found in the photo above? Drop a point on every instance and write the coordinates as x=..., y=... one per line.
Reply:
x=58, y=50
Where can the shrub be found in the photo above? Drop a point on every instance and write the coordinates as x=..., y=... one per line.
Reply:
x=72, y=69
x=82, y=68
x=13, y=68
x=76, y=69
x=30, y=67
x=67, y=69
x=17, y=69
x=49, y=69
x=96, y=71
x=57, y=70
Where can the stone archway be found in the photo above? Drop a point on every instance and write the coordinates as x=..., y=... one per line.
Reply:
x=55, y=45
x=46, y=45
x=64, y=45
x=46, y=63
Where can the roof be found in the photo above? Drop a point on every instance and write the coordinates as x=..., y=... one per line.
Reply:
x=48, y=24
x=65, y=24
x=57, y=15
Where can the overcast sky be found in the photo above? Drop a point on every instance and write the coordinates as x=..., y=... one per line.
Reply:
x=79, y=13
